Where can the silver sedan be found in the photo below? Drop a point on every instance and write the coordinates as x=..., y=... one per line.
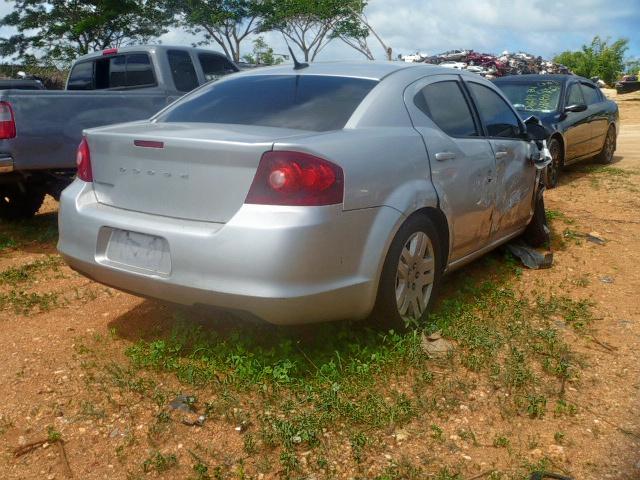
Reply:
x=340, y=190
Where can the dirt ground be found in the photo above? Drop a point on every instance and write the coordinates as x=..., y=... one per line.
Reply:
x=48, y=382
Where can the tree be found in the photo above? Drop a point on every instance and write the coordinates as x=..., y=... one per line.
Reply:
x=226, y=22
x=355, y=32
x=632, y=67
x=262, y=54
x=311, y=24
x=59, y=30
x=599, y=59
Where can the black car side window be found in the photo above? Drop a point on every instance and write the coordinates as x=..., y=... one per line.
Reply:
x=590, y=94
x=444, y=103
x=574, y=97
x=496, y=114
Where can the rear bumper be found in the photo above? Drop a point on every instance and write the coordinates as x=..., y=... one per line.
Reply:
x=286, y=265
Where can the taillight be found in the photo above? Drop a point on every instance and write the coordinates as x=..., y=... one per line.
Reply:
x=110, y=51
x=296, y=178
x=7, y=121
x=83, y=161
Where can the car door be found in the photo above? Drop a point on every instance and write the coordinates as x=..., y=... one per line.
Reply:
x=576, y=125
x=462, y=162
x=515, y=172
x=598, y=120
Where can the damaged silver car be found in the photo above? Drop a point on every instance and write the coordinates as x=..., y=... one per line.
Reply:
x=335, y=191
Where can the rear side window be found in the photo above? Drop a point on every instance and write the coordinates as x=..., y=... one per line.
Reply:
x=305, y=102
x=215, y=66
x=574, y=96
x=495, y=112
x=444, y=103
x=182, y=71
x=590, y=94
x=81, y=77
x=120, y=71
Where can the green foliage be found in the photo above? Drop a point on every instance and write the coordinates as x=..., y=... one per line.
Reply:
x=312, y=24
x=227, y=23
x=598, y=59
x=262, y=54
x=632, y=67
x=159, y=462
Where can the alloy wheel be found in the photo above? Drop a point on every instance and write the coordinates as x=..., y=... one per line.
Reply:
x=414, y=276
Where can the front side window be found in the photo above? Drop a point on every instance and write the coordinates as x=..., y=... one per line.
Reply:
x=182, y=71
x=444, y=103
x=215, y=66
x=574, y=97
x=590, y=94
x=496, y=114
x=305, y=102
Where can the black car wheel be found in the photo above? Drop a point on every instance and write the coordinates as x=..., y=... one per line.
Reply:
x=606, y=155
x=553, y=170
x=16, y=204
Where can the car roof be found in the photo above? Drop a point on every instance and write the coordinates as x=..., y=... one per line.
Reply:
x=147, y=48
x=372, y=70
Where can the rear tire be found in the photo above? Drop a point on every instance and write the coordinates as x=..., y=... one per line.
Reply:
x=410, y=276
x=537, y=233
x=606, y=154
x=16, y=204
x=554, y=168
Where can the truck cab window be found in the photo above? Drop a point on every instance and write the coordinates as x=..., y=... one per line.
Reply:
x=215, y=66
x=182, y=71
x=81, y=77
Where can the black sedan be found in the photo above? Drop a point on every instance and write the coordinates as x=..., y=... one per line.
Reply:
x=580, y=120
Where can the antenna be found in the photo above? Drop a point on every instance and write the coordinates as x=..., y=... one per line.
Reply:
x=296, y=64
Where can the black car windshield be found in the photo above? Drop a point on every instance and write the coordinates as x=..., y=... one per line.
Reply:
x=305, y=102
x=535, y=96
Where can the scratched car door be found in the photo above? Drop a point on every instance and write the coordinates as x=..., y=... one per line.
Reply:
x=515, y=173
x=462, y=162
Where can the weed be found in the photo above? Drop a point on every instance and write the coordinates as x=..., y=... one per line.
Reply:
x=564, y=408
x=536, y=406
x=53, y=435
x=358, y=442
x=501, y=442
x=289, y=462
x=559, y=437
x=159, y=462
x=437, y=433
x=250, y=444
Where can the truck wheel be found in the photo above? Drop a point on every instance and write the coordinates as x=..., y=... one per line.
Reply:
x=537, y=232
x=606, y=154
x=410, y=276
x=16, y=204
x=553, y=170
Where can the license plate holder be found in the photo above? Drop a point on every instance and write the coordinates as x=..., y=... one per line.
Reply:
x=138, y=251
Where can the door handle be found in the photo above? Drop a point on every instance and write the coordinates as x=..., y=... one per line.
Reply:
x=501, y=154
x=442, y=156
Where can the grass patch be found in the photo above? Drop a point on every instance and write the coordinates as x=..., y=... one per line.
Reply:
x=41, y=229
x=293, y=385
x=16, y=275
x=25, y=303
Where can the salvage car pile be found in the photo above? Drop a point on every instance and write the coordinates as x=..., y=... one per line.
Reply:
x=489, y=65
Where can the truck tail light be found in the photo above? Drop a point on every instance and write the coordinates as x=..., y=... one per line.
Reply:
x=83, y=161
x=7, y=121
x=296, y=178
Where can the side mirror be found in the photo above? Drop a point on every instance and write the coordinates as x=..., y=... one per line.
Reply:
x=578, y=107
x=535, y=129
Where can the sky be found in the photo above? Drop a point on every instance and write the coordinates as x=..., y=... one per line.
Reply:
x=540, y=27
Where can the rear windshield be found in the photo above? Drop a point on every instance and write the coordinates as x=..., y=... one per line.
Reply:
x=132, y=70
x=536, y=96
x=306, y=102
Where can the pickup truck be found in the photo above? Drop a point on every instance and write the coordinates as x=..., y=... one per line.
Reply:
x=41, y=129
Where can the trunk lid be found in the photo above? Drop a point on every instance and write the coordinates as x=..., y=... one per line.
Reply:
x=201, y=172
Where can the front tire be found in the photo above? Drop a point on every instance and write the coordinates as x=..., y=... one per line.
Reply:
x=606, y=154
x=410, y=276
x=554, y=168
x=16, y=204
x=537, y=233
